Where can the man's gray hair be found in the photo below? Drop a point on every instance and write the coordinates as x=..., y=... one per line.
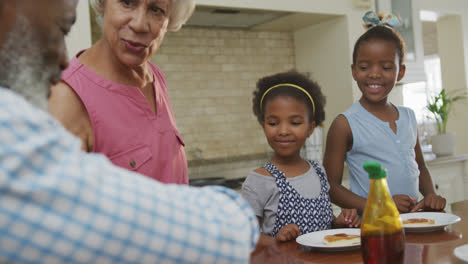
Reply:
x=181, y=12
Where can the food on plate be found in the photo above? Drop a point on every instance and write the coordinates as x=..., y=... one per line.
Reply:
x=341, y=239
x=418, y=221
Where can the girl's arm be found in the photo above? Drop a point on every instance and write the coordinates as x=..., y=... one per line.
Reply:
x=431, y=200
x=286, y=233
x=339, y=141
x=425, y=182
x=347, y=218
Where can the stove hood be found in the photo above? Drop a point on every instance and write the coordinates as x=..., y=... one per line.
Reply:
x=253, y=19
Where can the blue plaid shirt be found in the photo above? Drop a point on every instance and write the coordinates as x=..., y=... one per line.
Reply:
x=61, y=205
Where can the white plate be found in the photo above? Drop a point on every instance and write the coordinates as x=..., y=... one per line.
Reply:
x=461, y=252
x=441, y=221
x=315, y=239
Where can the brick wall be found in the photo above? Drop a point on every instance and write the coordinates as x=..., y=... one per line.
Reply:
x=211, y=74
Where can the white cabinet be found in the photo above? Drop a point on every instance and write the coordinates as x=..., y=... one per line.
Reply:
x=450, y=177
x=411, y=31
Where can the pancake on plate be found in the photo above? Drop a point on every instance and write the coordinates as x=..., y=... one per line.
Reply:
x=418, y=222
x=341, y=239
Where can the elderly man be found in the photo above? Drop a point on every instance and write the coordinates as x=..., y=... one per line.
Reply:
x=60, y=205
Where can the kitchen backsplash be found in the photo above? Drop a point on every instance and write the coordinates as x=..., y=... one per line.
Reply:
x=211, y=74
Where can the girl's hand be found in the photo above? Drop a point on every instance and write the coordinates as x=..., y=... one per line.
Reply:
x=432, y=202
x=348, y=218
x=288, y=232
x=404, y=203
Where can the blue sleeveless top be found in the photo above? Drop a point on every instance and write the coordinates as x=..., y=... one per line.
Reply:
x=374, y=140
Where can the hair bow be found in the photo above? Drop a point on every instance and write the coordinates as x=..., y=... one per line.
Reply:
x=372, y=19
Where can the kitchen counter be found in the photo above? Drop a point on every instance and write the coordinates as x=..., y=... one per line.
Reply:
x=228, y=168
x=449, y=175
x=447, y=159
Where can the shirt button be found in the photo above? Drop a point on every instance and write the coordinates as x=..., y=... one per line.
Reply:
x=132, y=163
x=398, y=141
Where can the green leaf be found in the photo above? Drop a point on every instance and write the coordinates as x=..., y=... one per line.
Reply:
x=441, y=105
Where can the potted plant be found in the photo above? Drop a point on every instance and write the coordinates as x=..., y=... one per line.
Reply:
x=440, y=106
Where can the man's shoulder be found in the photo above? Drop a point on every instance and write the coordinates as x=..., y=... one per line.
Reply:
x=20, y=118
x=15, y=107
x=8, y=95
x=12, y=103
x=29, y=134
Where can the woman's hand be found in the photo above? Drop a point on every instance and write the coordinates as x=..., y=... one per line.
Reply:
x=347, y=218
x=404, y=203
x=432, y=202
x=288, y=232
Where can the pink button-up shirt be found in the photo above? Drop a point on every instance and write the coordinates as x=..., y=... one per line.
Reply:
x=126, y=129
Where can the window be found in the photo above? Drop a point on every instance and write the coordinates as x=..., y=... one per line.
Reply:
x=312, y=149
x=415, y=95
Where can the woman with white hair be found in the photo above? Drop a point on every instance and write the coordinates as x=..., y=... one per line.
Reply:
x=115, y=100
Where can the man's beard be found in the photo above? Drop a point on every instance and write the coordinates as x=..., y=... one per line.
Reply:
x=23, y=64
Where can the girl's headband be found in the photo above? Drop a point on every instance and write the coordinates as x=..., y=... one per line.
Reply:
x=290, y=85
x=372, y=19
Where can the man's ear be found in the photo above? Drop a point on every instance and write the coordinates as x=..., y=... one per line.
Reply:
x=401, y=72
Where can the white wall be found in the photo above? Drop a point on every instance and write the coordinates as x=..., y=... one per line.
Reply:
x=323, y=51
x=453, y=66
x=313, y=6
x=452, y=31
x=80, y=36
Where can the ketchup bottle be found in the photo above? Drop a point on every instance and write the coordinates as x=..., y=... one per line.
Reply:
x=382, y=233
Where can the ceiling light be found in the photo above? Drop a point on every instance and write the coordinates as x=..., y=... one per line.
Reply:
x=430, y=16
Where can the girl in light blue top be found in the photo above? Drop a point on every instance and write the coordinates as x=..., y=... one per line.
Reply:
x=373, y=129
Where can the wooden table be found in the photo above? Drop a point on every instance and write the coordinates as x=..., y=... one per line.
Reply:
x=434, y=247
